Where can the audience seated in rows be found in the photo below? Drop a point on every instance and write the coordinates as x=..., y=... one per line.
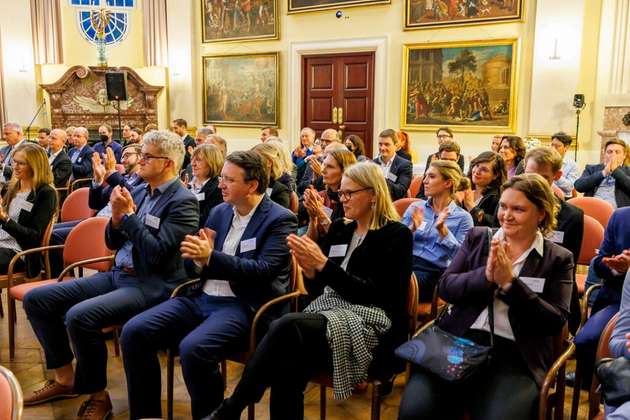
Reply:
x=350, y=284
x=439, y=225
x=396, y=170
x=528, y=283
x=147, y=227
x=243, y=261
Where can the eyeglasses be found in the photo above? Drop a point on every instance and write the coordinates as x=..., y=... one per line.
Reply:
x=347, y=195
x=147, y=157
x=444, y=136
x=127, y=155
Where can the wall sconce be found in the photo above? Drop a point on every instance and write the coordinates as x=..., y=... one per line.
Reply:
x=555, y=55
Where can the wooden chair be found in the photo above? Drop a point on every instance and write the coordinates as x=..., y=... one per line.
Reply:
x=591, y=241
x=294, y=202
x=78, y=183
x=76, y=207
x=11, y=405
x=427, y=311
x=84, y=248
x=297, y=289
x=381, y=387
x=598, y=209
x=402, y=204
x=414, y=187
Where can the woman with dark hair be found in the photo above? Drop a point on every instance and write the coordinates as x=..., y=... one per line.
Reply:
x=487, y=174
x=404, y=144
x=356, y=146
x=512, y=150
x=515, y=285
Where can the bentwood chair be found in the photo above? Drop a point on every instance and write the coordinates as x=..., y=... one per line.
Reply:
x=11, y=403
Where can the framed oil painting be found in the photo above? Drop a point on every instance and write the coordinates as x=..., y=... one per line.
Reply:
x=297, y=6
x=468, y=85
x=239, y=20
x=436, y=13
x=241, y=90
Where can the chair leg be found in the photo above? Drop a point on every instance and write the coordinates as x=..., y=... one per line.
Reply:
x=322, y=402
x=251, y=413
x=594, y=398
x=115, y=335
x=560, y=395
x=376, y=400
x=224, y=373
x=1, y=307
x=170, y=367
x=11, y=319
x=577, y=387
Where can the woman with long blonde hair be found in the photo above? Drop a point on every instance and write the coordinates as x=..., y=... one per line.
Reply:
x=27, y=208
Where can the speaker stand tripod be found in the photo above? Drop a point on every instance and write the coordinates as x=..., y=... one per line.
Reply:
x=119, y=122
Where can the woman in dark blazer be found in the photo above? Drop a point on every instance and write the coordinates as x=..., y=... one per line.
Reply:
x=27, y=207
x=487, y=174
x=277, y=191
x=365, y=262
x=206, y=162
x=528, y=280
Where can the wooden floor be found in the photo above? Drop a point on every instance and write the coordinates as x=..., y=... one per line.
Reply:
x=29, y=368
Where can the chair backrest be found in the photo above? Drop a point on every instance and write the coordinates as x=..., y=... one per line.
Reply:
x=598, y=209
x=603, y=347
x=402, y=204
x=591, y=240
x=414, y=187
x=294, y=202
x=76, y=207
x=10, y=396
x=87, y=240
x=412, y=304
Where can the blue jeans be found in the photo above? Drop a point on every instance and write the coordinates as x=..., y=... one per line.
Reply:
x=59, y=235
x=427, y=275
x=82, y=307
x=205, y=328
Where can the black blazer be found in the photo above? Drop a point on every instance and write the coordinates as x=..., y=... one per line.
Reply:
x=483, y=214
x=593, y=176
x=62, y=169
x=279, y=193
x=82, y=167
x=211, y=197
x=535, y=317
x=403, y=170
x=378, y=274
x=188, y=141
x=29, y=230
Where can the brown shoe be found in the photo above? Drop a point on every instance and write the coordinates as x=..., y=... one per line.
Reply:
x=50, y=391
x=93, y=409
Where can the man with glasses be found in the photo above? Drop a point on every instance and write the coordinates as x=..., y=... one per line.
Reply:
x=396, y=170
x=12, y=135
x=243, y=260
x=146, y=228
x=444, y=134
x=58, y=159
x=313, y=172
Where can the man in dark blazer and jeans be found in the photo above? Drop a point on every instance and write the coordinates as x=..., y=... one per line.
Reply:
x=243, y=260
x=145, y=228
x=397, y=171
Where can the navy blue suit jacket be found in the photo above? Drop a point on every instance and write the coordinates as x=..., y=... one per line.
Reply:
x=114, y=145
x=82, y=167
x=403, y=170
x=99, y=196
x=259, y=274
x=593, y=176
x=616, y=239
x=156, y=257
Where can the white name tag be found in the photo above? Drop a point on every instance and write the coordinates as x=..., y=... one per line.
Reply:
x=152, y=221
x=392, y=177
x=423, y=225
x=338, y=251
x=200, y=196
x=26, y=206
x=556, y=236
x=248, y=245
x=79, y=160
x=268, y=192
x=537, y=284
x=328, y=211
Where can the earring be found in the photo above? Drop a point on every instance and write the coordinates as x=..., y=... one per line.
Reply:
x=373, y=205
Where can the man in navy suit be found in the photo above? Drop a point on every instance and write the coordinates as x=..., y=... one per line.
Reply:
x=397, y=171
x=610, y=180
x=59, y=161
x=81, y=154
x=146, y=228
x=105, y=133
x=243, y=261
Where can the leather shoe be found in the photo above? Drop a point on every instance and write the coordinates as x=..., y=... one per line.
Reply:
x=222, y=413
x=93, y=409
x=50, y=391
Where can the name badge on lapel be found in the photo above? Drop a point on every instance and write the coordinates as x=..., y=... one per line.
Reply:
x=248, y=245
x=79, y=160
x=537, y=284
x=556, y=236
x=338, y=251
x=268, y=191
x=25, y=205
x=152, y=221
x=200, y=196
x=392, y=177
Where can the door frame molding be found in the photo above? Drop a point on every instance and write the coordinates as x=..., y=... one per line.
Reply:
x=299, y=49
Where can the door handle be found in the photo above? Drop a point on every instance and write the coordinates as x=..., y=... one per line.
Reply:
x=334, y=115
x=340, y=115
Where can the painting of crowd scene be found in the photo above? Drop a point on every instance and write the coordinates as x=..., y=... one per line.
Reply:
x=461, y=85
x=427, y=13
x=232, y=20
x=296, y=6
x=241, y=90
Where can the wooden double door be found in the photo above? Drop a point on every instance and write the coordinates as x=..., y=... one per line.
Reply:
x=338, y=92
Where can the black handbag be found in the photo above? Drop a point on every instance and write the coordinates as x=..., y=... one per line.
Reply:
x=448, y=356
x=614, y=376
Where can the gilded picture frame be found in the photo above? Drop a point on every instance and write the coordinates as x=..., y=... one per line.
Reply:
x=233, y=20
x=300, y=6
x=470, y=86
x=422, y=14
x=242, y=90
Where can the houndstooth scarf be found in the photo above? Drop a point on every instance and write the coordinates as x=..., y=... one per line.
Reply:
x=352, y=331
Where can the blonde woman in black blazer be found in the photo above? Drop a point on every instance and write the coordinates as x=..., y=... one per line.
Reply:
x=27, y=207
